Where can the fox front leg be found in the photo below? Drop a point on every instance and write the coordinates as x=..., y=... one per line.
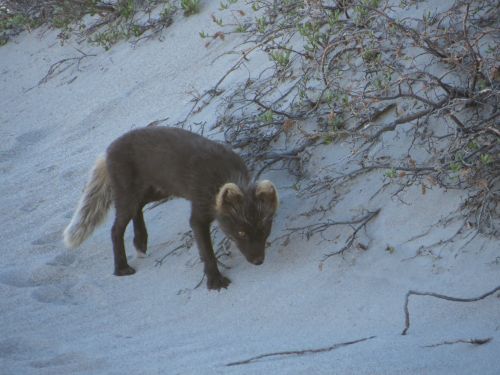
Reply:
x=201, y=230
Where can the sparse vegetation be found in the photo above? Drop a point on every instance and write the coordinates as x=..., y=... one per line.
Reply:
x=110, y=22
x=190, y=7
x=281, y=58
x=352, y=72
x=351, y=68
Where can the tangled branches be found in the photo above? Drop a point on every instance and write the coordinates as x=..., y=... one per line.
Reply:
x=111, y=21
x=368, y=72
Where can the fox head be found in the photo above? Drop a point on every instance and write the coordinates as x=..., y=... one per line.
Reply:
x=246, y=216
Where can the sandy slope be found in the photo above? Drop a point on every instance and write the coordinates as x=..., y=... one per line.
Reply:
x=63, y=312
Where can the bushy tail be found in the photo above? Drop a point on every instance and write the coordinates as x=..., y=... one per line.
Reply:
x=92, y=208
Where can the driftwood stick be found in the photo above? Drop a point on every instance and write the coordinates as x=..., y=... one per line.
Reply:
x=462, y=341
x=298, y=352
x=440, y=296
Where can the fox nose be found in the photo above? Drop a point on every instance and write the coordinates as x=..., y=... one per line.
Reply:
x=258, y=261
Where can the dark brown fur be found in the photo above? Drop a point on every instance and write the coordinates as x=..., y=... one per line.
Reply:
x=155, y=163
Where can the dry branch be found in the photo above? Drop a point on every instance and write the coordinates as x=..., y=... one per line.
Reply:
x=159, y=262
x=362, y=222
x=298, y=352
x=440, y=296
x=462, y=341
x=62, y=65
x=311, y=229
x=354, y=73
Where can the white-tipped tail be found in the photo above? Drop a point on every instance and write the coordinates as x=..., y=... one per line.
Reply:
x=92, y=207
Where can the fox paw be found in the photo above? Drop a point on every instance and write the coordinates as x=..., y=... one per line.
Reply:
x=218, y=282
x=141, y=254
x=125, y=271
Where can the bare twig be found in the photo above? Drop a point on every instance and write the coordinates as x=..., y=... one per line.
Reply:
x=365, y=73
x=440, y=296
x=404, y=120
x=274, y=157
x=159, y=262
x=462, y=341
x=298, y=352
x=362, y=222
x=187, y=240
x=61, y=66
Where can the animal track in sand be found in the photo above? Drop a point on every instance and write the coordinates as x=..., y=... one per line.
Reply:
x=64, y=259
x=70, y=174
x=45, y=275
x=46, y=170
x=70, y=363
x=58, y=360
x=55, y=283
x=31, y=137
x=17, y=279
x=23, y=142
x=15, y=348
x=69, y=291
x=58, y=294
x=31, y=206
x=8, y=155
x=48, y=238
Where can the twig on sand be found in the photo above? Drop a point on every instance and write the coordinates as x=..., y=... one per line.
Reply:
x=441, y=296
x=159, y=262
x=64, y=64
x=298, y=352
x=461, y=341
x=199, y=282
x=362, y=222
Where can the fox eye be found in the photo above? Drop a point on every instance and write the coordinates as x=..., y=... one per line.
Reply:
x=242, y=234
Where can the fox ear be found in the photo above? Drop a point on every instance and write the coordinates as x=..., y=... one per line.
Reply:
x=267, y=192
x=230, y=194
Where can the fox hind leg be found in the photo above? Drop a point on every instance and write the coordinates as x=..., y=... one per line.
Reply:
x=140, y=233
x=123, y=217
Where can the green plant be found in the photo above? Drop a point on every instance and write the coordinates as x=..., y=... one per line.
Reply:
x=60, y=23
x=224, y=6
x=330, y=97
x=473, y=146
x=362, y=11
x=241, y=29
x=136, y=30
x=335, y=122
x=167, y=13
x=108, y=38
x=455, y=167
x=328, y=139
x=261, y=25
x=267, y=116
x=281, y=58
x=62, y=18
x=218, y=21
x=17, y=20
x=391, y=173
x=311, y=32
x=126, y=8
x=371, y=55
x=486, y=159
x=190, y=7
x=333, y=19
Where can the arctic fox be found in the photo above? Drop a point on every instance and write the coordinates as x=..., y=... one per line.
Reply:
x=154, y=163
